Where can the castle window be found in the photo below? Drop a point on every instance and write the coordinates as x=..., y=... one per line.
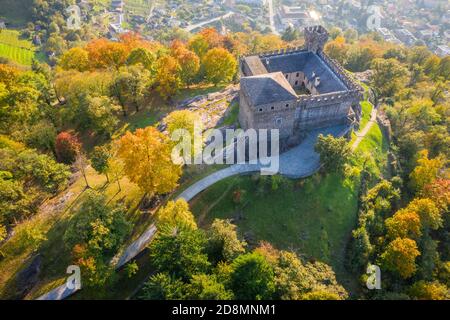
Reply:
x=287, y=105
x=273, y=108
x=298, y=74
x=279, y=121
x=260, y=110
x=287, y=76
x=296, y=83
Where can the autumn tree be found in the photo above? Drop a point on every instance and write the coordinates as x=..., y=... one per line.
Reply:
x=219, y=66
x=337, y=49
x=67, y=147
x=106, y=54
x=404, y=224
x=146, y=155
x=429, y=214
x=189, y=62
x=426, y=172
x=423, y=290
x=76, y=58
x=400, y=256
x=168, y=77
x=176, y=212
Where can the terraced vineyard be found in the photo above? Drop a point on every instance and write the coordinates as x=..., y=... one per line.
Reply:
x=16, y=49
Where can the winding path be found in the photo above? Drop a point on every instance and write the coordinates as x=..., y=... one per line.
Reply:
x=299, y=162
x=361, y=134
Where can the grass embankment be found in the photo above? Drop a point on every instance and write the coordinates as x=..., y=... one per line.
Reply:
x=17, y=50
x=313, y=217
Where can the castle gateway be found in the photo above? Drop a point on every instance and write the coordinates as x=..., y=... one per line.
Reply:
x=297, y=90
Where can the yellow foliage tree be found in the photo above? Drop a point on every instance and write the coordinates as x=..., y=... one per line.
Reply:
x=429, y=291
x=404, y=224
x=219, y=65
x=426, y=171
x=176, y=212
x=75, y=59
x=400, y=257
x=188, y=60
x=168, y=76
x=146, y=155
x=430, y=216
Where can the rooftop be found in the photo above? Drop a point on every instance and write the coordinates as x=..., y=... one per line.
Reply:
x=268, y=88
x=309, y=63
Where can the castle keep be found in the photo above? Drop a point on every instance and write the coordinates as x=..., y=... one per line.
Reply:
x=297, y=90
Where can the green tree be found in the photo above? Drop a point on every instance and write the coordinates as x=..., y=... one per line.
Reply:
x=206, y=287
x=100, y=226
x=334, y=152
x=100, y=159
x=223, y=241
x=143, y=56
x=162, y=286
x=252, y=277
x=389, y=76
x=179, y=251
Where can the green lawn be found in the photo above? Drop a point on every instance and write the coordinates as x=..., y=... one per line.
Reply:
x=18, y=50
x=314, y=216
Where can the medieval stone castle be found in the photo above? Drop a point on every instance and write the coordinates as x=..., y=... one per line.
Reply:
x=297, y=90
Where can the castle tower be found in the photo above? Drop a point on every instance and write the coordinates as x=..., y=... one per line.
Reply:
x=315, y=38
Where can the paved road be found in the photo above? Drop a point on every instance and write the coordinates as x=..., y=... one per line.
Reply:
x=299, y=162
x=198, y=25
